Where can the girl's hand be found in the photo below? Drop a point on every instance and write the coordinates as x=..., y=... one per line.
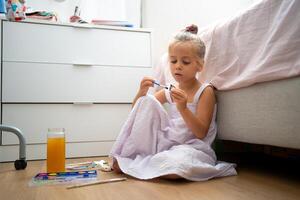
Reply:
x=179, y=97
x=144, y=85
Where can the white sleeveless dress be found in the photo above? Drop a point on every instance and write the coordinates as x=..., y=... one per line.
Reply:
x=154, y=143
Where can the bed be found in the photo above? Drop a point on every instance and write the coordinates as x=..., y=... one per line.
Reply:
x=253, y=60
x=265, y=113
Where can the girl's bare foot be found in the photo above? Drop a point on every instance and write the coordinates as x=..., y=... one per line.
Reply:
x=115, y=166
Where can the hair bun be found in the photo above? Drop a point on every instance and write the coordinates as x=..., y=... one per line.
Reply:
x=191, y=29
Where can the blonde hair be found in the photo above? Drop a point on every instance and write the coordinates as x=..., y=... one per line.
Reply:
x=185, y=36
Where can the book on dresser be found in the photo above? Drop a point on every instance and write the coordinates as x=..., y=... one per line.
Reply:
x=111, y=23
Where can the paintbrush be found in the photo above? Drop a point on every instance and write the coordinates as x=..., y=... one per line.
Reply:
x=97, y=182
x=164, y=86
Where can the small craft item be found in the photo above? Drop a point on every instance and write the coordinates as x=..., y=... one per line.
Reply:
x=42, y=15
x=100, y=164
x=15, y=10
x=76, y=17
x=104, y=165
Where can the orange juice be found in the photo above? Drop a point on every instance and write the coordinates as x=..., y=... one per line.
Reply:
x=56, y=152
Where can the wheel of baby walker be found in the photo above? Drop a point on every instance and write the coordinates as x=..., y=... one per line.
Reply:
x=20, y=164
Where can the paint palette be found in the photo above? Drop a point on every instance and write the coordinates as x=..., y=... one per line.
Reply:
x=63, y=177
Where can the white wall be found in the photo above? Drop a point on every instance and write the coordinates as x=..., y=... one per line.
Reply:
x=128, y=10
x=166, y=17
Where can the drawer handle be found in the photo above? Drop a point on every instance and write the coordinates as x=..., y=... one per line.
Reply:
x=82, y=64
x=83, y=103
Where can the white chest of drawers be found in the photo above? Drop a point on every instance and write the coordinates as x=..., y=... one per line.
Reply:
x=81, y=78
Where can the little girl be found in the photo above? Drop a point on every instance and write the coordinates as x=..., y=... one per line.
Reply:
x=154, y=143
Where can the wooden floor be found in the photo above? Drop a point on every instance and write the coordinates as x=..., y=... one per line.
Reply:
x=254, y=181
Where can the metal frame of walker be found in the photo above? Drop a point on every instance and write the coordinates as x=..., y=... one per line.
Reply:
x=21, y=163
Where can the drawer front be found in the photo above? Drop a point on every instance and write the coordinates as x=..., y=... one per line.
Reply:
x=83, y=123
x=26, y=42
x=33, y=82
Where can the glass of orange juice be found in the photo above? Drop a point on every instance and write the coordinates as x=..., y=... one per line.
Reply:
x=56, y=150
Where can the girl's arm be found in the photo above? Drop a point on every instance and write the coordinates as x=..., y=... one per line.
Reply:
x=160, y=96
x=198, y=123
x=144, y=87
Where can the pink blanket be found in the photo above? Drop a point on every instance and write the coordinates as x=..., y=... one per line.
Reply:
x=260, y=44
